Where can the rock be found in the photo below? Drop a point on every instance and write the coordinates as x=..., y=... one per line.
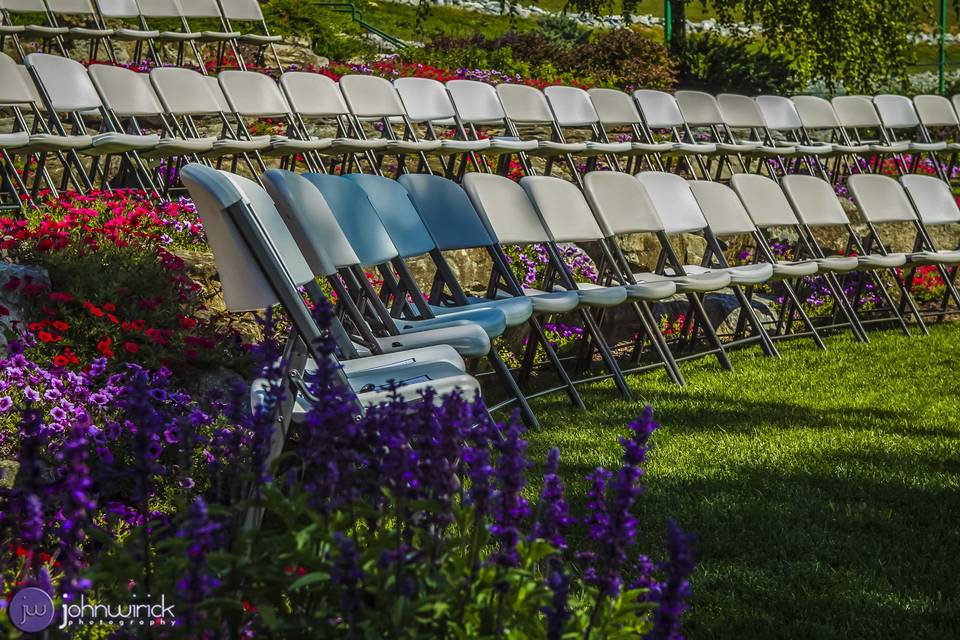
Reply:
x=8, y=473
x=471, y=266
x=12, y=299
x=215, y=383
x=298, y=54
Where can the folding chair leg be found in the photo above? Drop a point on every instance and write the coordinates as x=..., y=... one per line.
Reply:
x=905, y=294
x=709, y=331
x=808, y=323
x=746, y=307
x=659, y=344
x=503, y=372
x=605, y=353
x=844, y=306
x=536, y=330
x=889, y=301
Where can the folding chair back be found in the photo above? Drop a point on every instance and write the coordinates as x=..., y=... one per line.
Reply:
x=313, y=94
x=932, y=198
x=779, y=113
x=447, y=212
x=740, y=112
x=357, y=218
x=659, y=109
x=476, y=102
x=563, y=209
x=371, y=96
x=571, y=106
x=118, y=8
x=722, y=208
x=880, y=198
x=814, y=201
x=31, y=86
x=15, y=88
x=65, y=83
x=160, y=8
x=311, y=222
x=816, y=113
x=253, y=94
x=699, y=109
x=935, y=111
x=125, y=92
x=217, y=92
x=242, y=10
x=673, y=201
x=955, y=101
x=185, y=91
x=620, y=203
x=425, y=99
x=614, y=107
x=24, y=6
x=524, y=104
x=201, y=9
x=856, y=112
x=896, y=112
x=70, y=7
x=397, y=213
x=505, y=208
x=764, y=200
x=245, y=286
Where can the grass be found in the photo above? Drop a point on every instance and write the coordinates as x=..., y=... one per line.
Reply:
x=824, y=488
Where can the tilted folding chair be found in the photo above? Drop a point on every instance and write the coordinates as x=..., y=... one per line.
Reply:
x=781, y=119
x=660, y=112
x=618, y=116
x=510, y=218
x=622, y=206
x=196, y=107
x=256, y=95
x=816, y=205
x=65, y=87
x=317, y=98
x=897, y=115
x=260, y=266
x=936, y=206
x=479, y=109
x=727, y=217
x=742, y=114
x=220, y=36
x=428, y=104
x=374, y=100
x=451, y=223
x=567, y=217
x=860, y=123
x=247, y=11
x=677, y=207
x=770, y=209
x=45, y=33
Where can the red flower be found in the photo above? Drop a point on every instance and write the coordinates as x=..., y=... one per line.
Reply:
x=187, y=323
x=248, y=606
x=110, y=306
x=61, y=361
x=45, y=336
x=57, y=296
x=60, y=325
x=138, y=325
x=131, y=347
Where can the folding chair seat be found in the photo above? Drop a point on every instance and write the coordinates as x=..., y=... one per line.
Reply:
x=816, y=205
x=95, y=30
x=130, y=98
x=36, y=31
x=371, y=98
x=478, y=105
x=260, y=265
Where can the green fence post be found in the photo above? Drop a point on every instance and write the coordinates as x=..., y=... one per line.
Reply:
x=943, y=46
x=667, y=23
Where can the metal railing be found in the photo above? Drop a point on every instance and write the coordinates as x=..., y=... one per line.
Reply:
x=357, y=16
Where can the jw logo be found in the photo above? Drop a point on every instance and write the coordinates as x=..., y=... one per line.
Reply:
x=32, y=610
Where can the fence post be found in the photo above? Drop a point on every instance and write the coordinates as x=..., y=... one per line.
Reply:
x=668, y=21
x=943, y=46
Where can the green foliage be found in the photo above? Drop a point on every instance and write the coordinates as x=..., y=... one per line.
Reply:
x=715, y=64
x=330, y=34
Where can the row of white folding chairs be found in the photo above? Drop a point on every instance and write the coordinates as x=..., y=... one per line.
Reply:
x=131, y=20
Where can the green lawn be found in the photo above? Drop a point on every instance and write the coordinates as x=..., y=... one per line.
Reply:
x=824, y=488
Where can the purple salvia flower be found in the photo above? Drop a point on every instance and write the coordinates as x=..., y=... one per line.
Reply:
x=675, y=591
x=553, y=517
x=510, y=507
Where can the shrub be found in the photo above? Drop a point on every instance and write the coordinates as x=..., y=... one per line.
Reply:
x=716, y=64
x=624, y=58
